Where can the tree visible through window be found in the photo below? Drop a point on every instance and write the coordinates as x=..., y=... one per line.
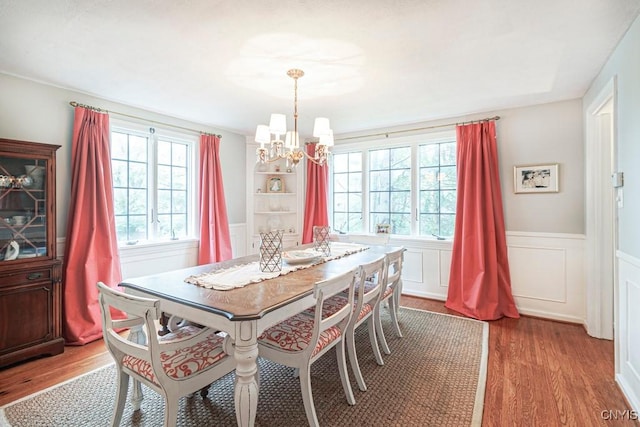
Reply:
x=151, y=186
x=390, y=189
x=410, y=186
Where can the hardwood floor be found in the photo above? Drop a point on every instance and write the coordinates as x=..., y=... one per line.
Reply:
x=540, y=373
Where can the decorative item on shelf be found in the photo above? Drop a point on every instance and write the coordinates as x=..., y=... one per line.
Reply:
x=321, y=239
x=289, y=149
x=12, y=252
x=276, y=168
x=5, y=181
x=271, y=251
x=275, y=184
x=36, y=173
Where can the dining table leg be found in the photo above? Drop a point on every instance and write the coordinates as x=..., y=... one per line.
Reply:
x=246, y=384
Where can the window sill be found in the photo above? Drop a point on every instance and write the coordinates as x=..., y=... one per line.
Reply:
x=159, y=245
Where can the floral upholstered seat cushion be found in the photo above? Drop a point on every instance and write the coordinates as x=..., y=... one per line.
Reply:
x=294, y=334
x=184, y=362
x=335, y=303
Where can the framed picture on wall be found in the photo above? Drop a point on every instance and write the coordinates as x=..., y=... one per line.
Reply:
x=535, y=178
x=275, y=184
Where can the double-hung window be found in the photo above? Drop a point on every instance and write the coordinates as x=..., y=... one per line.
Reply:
x=153, y=183
x=409, y=183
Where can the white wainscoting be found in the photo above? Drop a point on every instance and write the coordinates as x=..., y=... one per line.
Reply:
x=547, y=272
x=154, y=258
x=627, y=332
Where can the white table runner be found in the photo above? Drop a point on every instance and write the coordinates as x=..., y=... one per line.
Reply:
x=244, y=274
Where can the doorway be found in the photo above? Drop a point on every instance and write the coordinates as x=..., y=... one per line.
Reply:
x=601, y=213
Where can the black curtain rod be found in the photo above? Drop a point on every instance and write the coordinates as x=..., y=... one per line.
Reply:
x=100, y=110
x=386, y=134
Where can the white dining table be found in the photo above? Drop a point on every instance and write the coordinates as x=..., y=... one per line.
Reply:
x=243, y=312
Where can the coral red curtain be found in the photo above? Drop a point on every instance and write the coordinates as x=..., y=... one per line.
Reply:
x=479, y=282
x=91, y=247
x=315, y=206
x=215, y=241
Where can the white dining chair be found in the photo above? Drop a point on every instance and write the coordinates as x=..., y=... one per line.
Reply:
x=368, y=289
x=174, y=365
x=302, y=339
x=390, y=295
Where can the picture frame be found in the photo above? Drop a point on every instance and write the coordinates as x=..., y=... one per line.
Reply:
x=540, y=178
x=383, y=228
x=275, y=184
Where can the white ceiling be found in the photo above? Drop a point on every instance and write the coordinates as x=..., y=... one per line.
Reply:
x=368, y=63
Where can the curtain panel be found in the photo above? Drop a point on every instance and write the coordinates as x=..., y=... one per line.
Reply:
x=317, y=194
x=215, y=240
x=480, y=282
x=91, y=247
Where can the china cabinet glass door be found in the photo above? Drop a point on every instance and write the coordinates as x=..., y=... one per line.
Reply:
x=23, y=212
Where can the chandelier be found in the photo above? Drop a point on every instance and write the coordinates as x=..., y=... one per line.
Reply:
x=289, y=149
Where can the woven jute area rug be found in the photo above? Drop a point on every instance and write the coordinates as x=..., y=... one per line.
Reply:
x=434, y=376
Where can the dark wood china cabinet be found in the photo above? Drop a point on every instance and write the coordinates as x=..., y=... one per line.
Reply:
x=30, y=273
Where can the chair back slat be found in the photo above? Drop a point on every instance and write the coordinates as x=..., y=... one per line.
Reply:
x=326, y=289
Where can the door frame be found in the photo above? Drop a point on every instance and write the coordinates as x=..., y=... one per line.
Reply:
x=600, y=212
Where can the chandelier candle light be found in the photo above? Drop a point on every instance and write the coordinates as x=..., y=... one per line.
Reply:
x=289, y=149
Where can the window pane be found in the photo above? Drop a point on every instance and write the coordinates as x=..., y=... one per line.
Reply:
x=340, y=163
x=179, y=202
x=379, y=201
x=447, y=225
x=355, y=223
x=429, y=224
x=137, y=227
x=448, y=201
x=400, y=158
x=355, y=181
x=138, y=148
x=138, y=175
x=164, y=202
x=119, y=146
x=164, y=177
x=355, y=203
x=429, y=179
x=179, y=154
x=400, y=223
x=120, y=201
x=447, y=177
x=340, y=202
x=378, y=159
x=119, y=171
x=447, y=153
x=401, y=201
x=355, y=162
x=340, y=182
x=164, y=153
x=438, y=184
x=179, y=178
x=401, y=179
x=121, y=228
x=138, y=202
x=429, y=202
x=340, y=222
x=428, y=155
x=379, y=181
